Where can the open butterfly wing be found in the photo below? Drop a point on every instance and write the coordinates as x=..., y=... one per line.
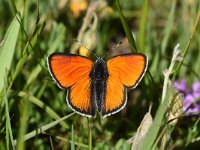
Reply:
x=72, y=72
x=68, y=69
x=115, y=97
x=125, y=71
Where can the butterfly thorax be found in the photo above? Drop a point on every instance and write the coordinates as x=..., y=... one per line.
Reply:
x=99, y=71
x=99, y=76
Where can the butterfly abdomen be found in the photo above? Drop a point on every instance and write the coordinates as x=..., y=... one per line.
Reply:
x=99, y=77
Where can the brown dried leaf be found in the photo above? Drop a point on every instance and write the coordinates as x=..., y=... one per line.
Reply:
x=142, y=130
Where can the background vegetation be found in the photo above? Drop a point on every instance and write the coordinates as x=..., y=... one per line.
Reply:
x=33, y=110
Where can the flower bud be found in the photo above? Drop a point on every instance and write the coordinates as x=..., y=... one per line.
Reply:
x=89, y=40
x=77, y=6
x=104, y=11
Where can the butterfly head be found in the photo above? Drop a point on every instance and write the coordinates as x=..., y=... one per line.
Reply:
x=99, y=71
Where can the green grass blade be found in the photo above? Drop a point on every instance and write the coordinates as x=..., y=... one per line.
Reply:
x=90, y=138
x=168, y=28
x=52, y=48
x=23, y=123
x=185, y=50
x=8, y=124
x=143, y=23
x=7, y=136
x=76, y=143
x=89, y=134
x=44, y=128
x=151, y=135
x=126, y=28
x=165, y=100
x=72, y=138
x=12, y=6
x=7, y=48
x=25, y=55
x=192, y=132
x=39, y=103
x=2, y=146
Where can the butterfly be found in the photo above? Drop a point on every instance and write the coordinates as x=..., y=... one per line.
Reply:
x=97, y=86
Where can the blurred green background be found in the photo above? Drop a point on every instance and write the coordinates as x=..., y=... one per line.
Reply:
x=30, y=100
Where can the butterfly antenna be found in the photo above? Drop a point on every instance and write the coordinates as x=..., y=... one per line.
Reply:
x=85, y=47
x=113, y=48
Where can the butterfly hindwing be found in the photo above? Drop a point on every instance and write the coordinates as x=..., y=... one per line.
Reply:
x=79, y=98
x=115, y=97
x=125, y=71
x=71, y=72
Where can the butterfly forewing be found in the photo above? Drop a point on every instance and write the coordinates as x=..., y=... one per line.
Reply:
x=68, y=69
x=129, y=68
x=125, y=71
x=71, y=72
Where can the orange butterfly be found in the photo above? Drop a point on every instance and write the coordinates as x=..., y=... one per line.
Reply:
x=97, y=86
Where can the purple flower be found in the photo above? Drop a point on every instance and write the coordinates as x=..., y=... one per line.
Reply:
x=196, y=87
x=189, y=105
x=191, y=97
x=181, y=86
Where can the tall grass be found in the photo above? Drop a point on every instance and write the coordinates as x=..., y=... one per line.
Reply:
x=33, y=110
